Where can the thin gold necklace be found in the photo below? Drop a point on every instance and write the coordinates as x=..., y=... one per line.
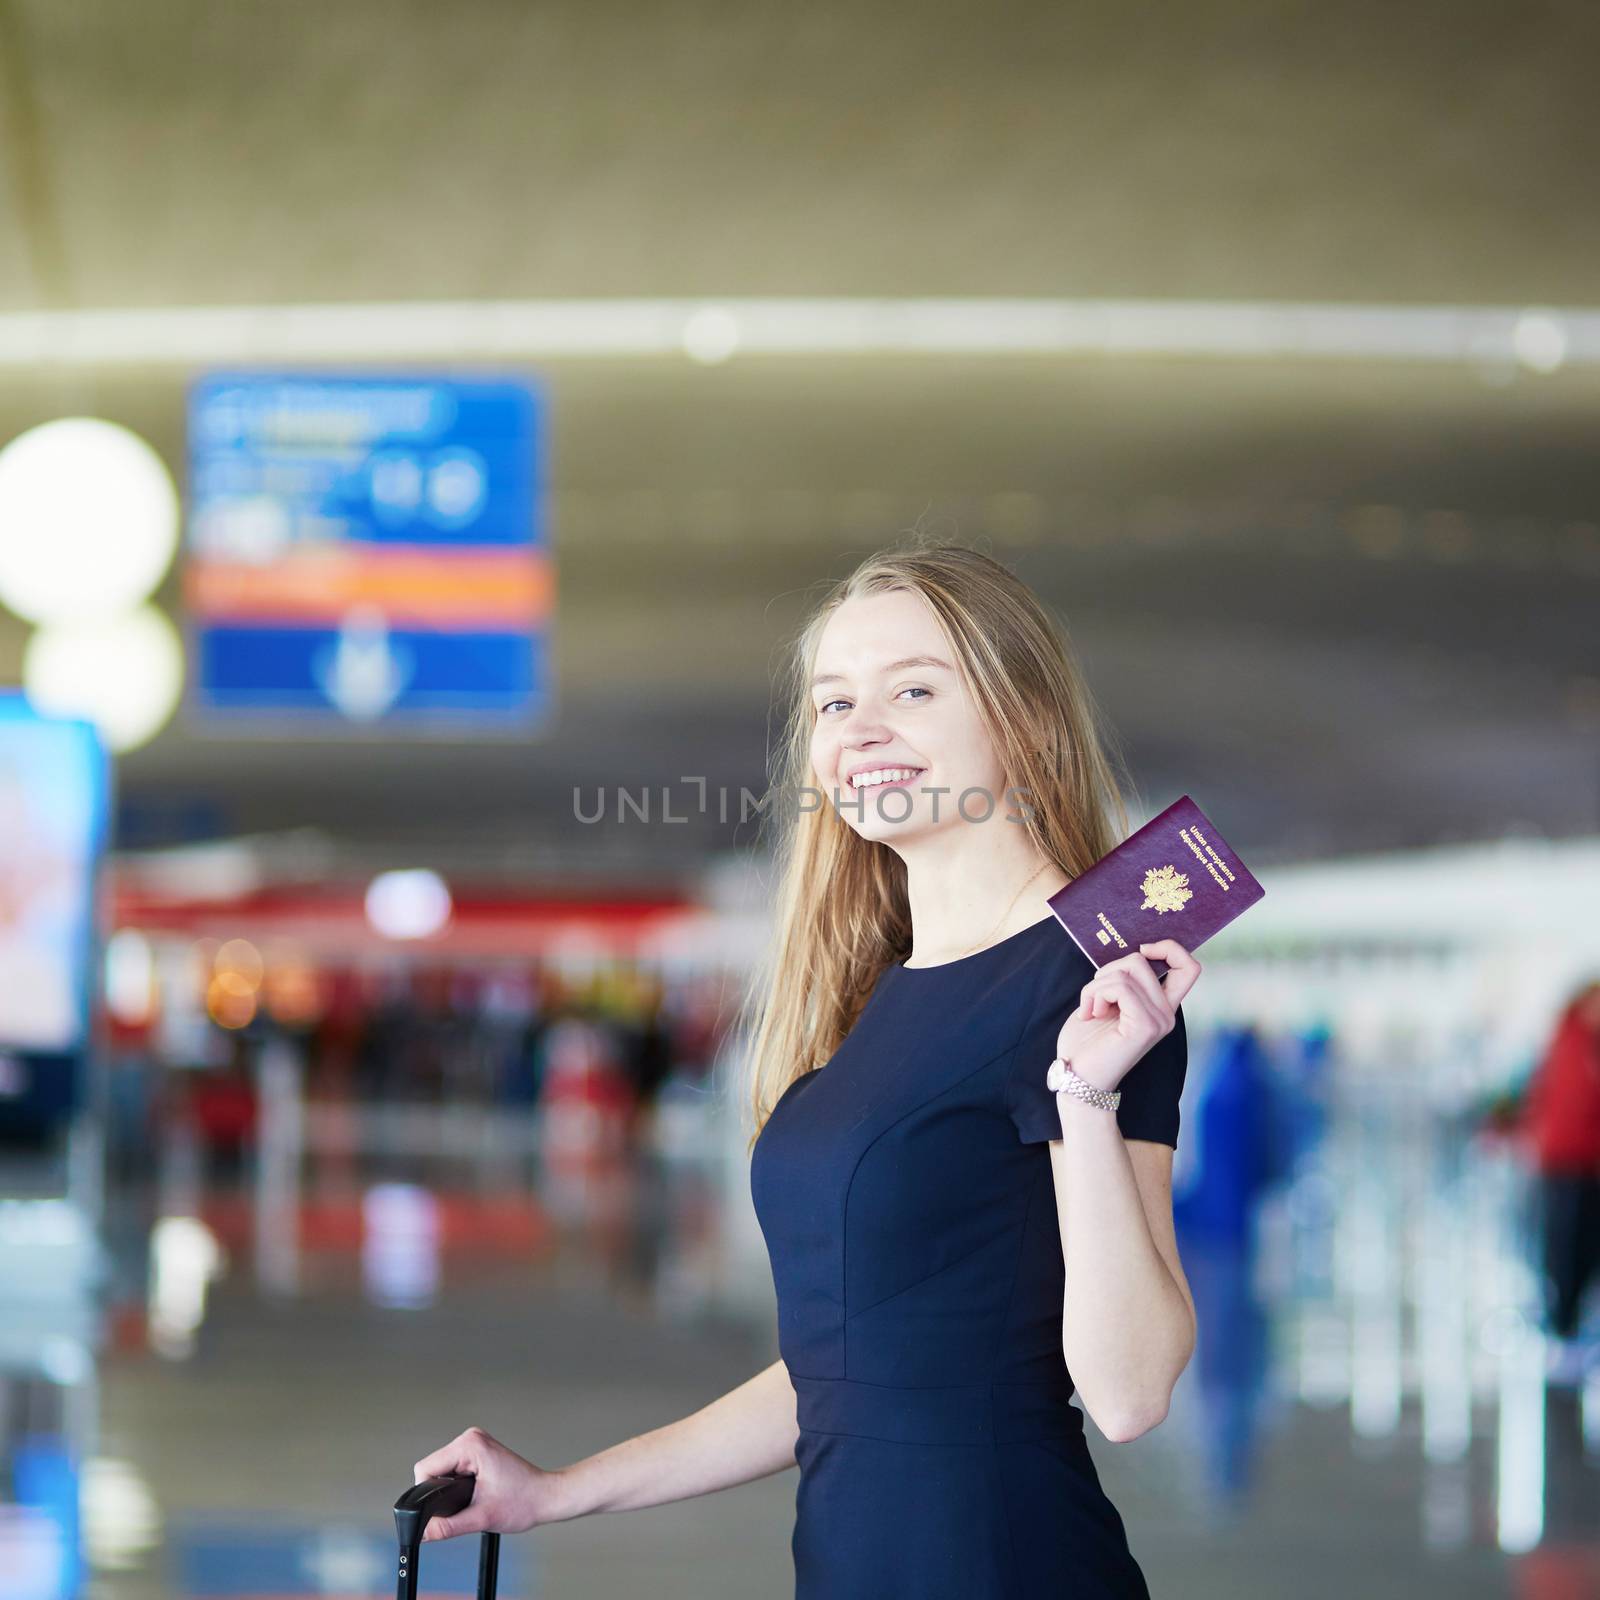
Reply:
x=998, y=920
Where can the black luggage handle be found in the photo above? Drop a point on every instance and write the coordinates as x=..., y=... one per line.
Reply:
x=440, y=1497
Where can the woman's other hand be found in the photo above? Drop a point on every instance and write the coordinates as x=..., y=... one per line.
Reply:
x=511, y=1495
x=1123, y=1009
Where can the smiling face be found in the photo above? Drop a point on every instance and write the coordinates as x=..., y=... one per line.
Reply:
x=887, y=698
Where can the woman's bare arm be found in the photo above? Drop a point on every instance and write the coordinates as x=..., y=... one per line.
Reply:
x=747, y=1433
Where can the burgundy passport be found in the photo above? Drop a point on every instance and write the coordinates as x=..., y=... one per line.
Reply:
x=1175, y=878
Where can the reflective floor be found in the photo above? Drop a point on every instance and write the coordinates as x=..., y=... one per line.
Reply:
x=261, y=1453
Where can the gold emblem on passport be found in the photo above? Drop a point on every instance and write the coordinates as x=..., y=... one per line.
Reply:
x=1165, y=889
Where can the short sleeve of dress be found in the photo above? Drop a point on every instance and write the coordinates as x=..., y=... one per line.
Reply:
x=1151, y=1087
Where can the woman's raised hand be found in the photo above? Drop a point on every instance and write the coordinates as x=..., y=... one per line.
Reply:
x=1123, y=1009
x=511, y=1495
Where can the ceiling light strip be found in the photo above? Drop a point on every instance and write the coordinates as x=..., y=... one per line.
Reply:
x=1541, y=339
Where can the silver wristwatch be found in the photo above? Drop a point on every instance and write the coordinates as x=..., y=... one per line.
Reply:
x=1064, y=1080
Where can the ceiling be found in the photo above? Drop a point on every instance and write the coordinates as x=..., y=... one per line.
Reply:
x=181, y=152
x=1346, y=604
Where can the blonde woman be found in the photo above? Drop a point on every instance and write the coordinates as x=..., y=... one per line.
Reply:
x=957, y=1247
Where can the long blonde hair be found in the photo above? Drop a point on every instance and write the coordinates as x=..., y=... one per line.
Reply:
x=842, y=914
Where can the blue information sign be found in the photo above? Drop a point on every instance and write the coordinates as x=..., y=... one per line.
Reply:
x=367, y=549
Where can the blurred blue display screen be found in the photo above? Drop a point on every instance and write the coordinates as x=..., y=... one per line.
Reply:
x=366, y=549
x=54, y=783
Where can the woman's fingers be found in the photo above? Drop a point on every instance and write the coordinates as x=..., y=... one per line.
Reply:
x=1137, y=971
x=1183, y=968
x=1113, y=996
x=1129, y=1001
x=504, y=1498
x=468, y=1452
x=460, y=1455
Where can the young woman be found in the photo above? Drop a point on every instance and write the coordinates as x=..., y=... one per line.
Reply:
x=957, y=1245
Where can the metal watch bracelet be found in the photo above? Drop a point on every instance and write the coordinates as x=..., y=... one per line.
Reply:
x=1064, y=1080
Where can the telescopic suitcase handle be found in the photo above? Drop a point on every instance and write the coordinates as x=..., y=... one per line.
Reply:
x=440, y=1497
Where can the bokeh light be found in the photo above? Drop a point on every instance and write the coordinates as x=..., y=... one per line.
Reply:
x=88, y=521
x=711, y=336
x=124, y=674
x=130, y=977
x=413, y=904
x=240, y=961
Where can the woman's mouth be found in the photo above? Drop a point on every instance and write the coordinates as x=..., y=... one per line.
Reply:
x=885, y=778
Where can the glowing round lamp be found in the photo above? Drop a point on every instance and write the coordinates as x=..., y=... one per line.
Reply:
x=124, y=674
x=413, y=904
x=711, y=336
x=88, y=521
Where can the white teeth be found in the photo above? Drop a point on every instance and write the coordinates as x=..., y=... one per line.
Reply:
x=864, y=780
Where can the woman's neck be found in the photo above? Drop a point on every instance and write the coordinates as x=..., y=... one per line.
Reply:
x=959, y=907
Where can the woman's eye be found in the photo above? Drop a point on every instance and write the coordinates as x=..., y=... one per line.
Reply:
x=911, y=689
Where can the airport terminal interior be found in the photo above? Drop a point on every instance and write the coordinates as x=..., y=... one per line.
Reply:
x=423, y=434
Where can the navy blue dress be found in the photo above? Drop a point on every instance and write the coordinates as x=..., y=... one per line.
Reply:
x=905, y=1193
